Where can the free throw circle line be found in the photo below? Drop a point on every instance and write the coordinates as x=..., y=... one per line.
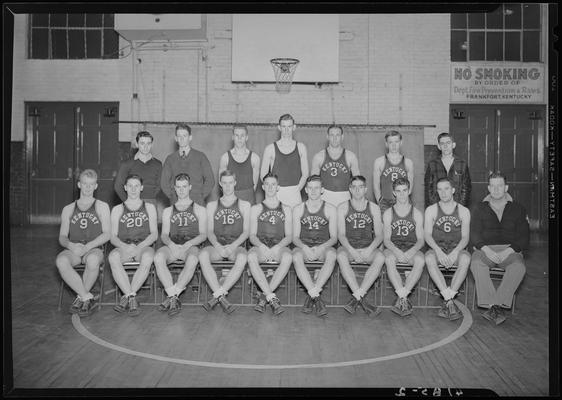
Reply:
x=460, y=331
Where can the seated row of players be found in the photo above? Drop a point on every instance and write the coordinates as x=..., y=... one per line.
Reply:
x=314, y=227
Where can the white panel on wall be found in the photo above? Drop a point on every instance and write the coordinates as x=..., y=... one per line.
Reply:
x=313, y=39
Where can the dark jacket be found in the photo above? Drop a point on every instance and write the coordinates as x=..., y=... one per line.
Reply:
x=486, y=229
x=458, y=174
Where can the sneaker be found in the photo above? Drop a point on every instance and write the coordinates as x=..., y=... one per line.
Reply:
x=308, y=305
x=260, y=305
x=500, y=317
x=407, y=307
x=321, y=309
x=490, y=314
x=276, y=306
x=76, y=306
x=209, y=305
x=165, y=305
x=88, y=307
x=369, y=308
x=134, y=309
x=226, y=305
x=123, y=304
x=175, y=306
x=351, y=306
x=444, y=310
x=454, y=311
x=397, y=307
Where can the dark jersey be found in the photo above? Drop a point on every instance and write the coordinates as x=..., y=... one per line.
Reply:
x=335, y=174
x=85, y=226
x=184, y=225
x=133, y=225
x=447, y=229
x=403, y=230
x=359, y=226
x=228, y=222
x=244, y=172
x=271, y=225
x=389, y=174
x=287, y=166
x=315, y=227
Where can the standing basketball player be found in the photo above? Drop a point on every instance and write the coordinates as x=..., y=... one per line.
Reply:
x=243, y=163
x=287, y=159
x=183, y=229
x=360, y=234
x=270, y=233
x=133, y=231
x=403, y=239
x=388, y=168
x=314, y=235
x=228, y=228
x=335, y=165
x=447, y=228
x=85, y=227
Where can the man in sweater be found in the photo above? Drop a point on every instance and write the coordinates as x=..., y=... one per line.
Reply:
x=499, y=232
x=189, y=161
x=447, y=166
x=145, y=165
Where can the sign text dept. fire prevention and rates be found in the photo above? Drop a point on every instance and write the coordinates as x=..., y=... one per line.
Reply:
x=504, y=83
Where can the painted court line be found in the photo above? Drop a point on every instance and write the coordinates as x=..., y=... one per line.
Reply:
x=461, y=330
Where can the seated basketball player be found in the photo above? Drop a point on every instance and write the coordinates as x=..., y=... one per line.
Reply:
x=228, y=227
x=270, y=234
x=133, y=231
x=447, y=228
x=184, y=227
x=85, y=227
x=314, y=235
x=403, y=239
x=360, y=234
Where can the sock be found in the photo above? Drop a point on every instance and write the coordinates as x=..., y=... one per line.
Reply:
x=361, y=292
x=357, y=296
x=446, y=294
x=314, y=292
x=170, y=291
x=401, y=292
x=131, y=294
x=269, y=297
x=220, y=291
x=452, y=293
x=88, y=296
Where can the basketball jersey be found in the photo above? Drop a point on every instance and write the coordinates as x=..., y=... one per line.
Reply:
x=271, y=225
x=389, y=174
x=287, y=166
x=85, y=226
x=133, y=225
x=403, y=230
x=335, y=174
x=359, y=227
x=447, y=229
x=315, y=227
x=228, y=222
x=184, y=225
x=244, y=172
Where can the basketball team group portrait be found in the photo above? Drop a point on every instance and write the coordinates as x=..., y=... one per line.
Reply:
x=210, y=204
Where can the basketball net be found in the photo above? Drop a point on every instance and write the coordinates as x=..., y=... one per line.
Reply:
x=284, y=69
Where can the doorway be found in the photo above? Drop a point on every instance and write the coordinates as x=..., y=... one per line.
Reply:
x=63, y=139
x=509, y=139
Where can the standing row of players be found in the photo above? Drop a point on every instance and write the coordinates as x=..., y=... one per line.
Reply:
x=314, y=227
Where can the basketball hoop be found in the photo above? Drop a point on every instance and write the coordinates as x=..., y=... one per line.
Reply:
x=284, y=69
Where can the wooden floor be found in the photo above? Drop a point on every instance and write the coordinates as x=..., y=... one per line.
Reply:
x=248, y=349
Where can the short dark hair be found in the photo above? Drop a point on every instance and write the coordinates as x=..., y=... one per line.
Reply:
x=314, y=178
x=357, y=178
x=240, y=126
x=133, y=176
x=286, y=117
x=444, y=179
x=227, y=172
x=182, y=176
x=400, y=181
x=183, y=127
x=444, y=134
x=392, y=133
x=270, y=175
x=334, y=126
x=144, y=134
x=497, y=174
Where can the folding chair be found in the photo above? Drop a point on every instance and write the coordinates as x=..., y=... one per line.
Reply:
x=496, y=273
x=80, y=269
